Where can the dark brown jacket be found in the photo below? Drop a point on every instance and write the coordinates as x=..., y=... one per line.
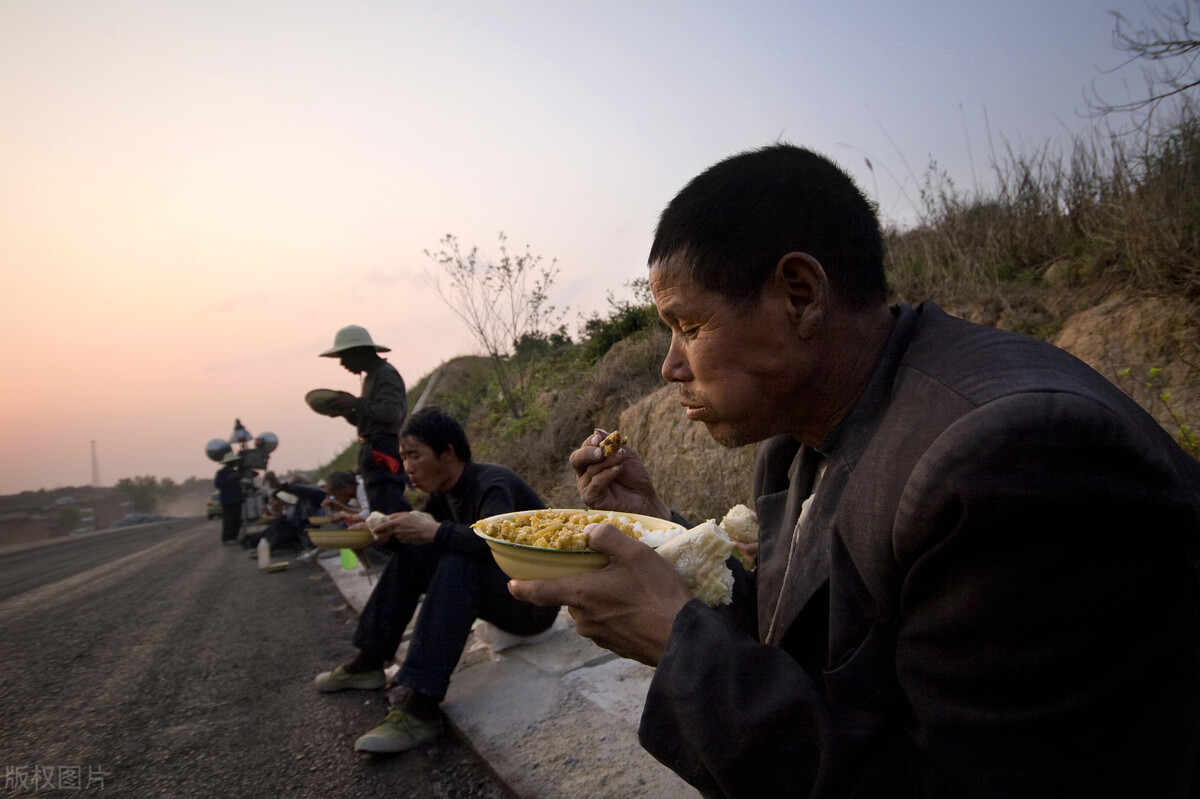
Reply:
x=994, y=594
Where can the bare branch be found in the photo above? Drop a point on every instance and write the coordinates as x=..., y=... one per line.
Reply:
x=1169, y=53
x=501, y=302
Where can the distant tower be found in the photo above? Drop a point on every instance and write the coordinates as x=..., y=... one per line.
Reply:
x=95, y=468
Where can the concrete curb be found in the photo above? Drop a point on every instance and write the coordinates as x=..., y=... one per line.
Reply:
x=553, y=717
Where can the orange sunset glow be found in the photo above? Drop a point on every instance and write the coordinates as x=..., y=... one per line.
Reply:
x=195, y=196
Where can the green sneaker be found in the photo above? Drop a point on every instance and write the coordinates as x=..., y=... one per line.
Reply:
x=339, y=680
x=399, y=732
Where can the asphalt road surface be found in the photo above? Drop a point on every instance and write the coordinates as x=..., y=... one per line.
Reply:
x=155, y=662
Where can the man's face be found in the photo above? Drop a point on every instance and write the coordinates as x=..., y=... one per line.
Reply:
x=355, y=360
x=426, y=469
x=736, y=374
x=344, y=493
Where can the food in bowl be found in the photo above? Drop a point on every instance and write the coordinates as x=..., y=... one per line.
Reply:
x=545, y=544
x=564, y=529
x=528, y=562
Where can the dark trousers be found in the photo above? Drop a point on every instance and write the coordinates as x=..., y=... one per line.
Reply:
x=231, y=521
x=458, y=589
x=385, y=487
x=283, y=533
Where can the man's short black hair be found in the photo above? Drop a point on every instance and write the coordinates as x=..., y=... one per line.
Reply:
x=339, y=479
x=437, y=430
x=732, y=223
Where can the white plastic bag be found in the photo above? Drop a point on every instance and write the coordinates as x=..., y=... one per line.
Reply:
x=496, y=640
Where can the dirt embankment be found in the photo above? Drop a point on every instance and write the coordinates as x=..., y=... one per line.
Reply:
x=1157, y=339
x=1132, y=340
x=1148, y=346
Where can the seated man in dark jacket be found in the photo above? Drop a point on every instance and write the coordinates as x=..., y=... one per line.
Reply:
x=435, y=553
x=979, y=560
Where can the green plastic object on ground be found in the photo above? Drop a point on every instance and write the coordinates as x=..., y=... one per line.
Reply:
x=349, y=559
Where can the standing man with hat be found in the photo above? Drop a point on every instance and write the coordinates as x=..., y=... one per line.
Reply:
x=228, y=482
x=378, y=414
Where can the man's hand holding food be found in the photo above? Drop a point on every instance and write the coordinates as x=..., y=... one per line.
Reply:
x=406, y=527
x=627, y=607
x=339, y=512
x=615, y=482
x=630, y=606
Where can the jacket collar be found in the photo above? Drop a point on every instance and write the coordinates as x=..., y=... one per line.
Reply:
x=796, y=551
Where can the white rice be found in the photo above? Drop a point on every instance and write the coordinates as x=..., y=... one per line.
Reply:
x=649, y=537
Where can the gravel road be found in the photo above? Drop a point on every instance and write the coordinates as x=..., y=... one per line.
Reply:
x=154, y=662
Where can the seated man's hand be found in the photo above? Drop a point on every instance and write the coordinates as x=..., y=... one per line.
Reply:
x=408, y=528
x=618, y=482
x=749, y=552
x=349, y=519
x=627, y=607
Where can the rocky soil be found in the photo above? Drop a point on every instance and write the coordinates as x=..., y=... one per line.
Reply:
x=1122, y=335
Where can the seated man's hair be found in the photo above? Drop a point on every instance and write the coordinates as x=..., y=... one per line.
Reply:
x=339, y=479
x=732, y=224
x=437, y=430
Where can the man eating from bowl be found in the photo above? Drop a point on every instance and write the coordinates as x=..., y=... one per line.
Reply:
x=435, y=553
x=979, y=563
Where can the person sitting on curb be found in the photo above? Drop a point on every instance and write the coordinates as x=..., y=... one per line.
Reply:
x=347, y=502
x=979, y=563
x=344, y=488
x=435, y=553
x=288, y=529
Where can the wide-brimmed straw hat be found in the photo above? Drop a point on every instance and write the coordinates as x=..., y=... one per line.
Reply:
x=350, y=337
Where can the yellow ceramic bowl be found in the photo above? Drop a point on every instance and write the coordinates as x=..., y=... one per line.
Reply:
x=340, y=539
x=319, y=521
x=522, y=562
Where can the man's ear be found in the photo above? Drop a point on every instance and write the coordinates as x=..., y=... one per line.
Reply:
x=805, y=288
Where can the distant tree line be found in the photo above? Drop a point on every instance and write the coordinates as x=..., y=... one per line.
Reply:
x=144, y=492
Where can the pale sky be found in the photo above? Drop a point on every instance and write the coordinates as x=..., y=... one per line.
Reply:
x=194, y=196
